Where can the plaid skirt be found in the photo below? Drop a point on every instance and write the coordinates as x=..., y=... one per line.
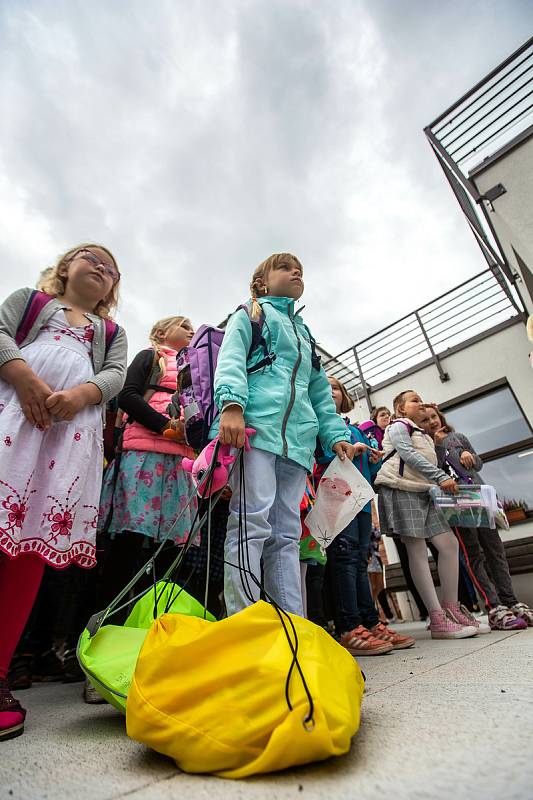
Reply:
x=408, y=514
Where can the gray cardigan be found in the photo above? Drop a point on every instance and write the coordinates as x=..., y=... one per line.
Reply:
x=450, y=450
x=109, y=368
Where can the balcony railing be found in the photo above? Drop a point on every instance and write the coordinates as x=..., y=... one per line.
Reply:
x=472, y=309
x=492, y=118
x=497, y=109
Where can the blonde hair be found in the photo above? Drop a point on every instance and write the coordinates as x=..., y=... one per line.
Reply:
x=398, y=400
x=159, y=333
x=261, y=274
x=347, y=402
x=162, y=327
x=53, y=283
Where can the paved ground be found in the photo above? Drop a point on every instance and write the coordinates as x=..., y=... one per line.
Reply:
x=443, y=720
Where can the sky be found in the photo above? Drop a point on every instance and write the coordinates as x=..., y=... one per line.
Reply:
x=196, y=137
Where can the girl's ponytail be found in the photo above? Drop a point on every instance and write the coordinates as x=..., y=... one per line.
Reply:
x=255, y=312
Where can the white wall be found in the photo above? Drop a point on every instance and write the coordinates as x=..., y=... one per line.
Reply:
x=512, y=213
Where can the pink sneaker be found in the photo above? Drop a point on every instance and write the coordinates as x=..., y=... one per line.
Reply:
x=11, y=714
x=460, y=614
x=442, y=627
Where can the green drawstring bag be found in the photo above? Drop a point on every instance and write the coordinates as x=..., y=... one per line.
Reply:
x=108, y=653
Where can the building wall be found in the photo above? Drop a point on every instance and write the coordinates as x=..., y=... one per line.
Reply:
x=511, y=214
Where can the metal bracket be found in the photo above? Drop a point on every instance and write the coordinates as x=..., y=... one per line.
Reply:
x=442, y=374
x=362, y=380
x=494, y=193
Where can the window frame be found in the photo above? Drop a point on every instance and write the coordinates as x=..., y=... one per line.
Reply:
x=483, y=391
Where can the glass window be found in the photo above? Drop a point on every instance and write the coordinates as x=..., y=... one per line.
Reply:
x=512, y=477
x=491, y=421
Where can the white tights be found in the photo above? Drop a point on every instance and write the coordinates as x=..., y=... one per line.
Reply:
x=448, y=567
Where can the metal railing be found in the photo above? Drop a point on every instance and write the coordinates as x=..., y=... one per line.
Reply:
x=495, y=110
x=456, y=318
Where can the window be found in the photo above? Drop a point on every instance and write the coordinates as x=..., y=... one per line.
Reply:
x=512, y=476
x=491, y=421
x=502, y=436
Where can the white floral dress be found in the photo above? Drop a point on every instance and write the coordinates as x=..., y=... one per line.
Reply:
x=50, y=480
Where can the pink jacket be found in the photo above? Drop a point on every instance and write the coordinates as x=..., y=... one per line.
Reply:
x=137, y=437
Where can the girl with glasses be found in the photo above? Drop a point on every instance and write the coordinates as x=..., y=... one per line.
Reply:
x=61, y=360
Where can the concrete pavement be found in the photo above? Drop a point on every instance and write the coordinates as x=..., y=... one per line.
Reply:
x=442, y=720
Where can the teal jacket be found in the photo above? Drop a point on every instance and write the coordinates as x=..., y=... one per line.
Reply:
x=288, y=402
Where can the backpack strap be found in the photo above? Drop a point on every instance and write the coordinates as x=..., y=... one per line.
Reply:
x=461, y=474
x=36, y=302
x=410, y=429
x=316, y=360
x=258, y=340
x=111, y=330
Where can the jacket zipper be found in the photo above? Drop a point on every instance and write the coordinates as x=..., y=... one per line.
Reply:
x=293, y=389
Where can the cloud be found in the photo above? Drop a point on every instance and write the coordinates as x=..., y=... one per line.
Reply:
x=196, y=138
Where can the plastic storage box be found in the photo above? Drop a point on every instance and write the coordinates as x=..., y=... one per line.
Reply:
x=471, y=507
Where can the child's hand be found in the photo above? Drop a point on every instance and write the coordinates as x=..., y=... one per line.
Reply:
x=467, y=459
x=231, y=430
x=343, y=449
x=66, y=403
x=449, y=486
x=31, y=391
x=375, y=455
x=440, y=436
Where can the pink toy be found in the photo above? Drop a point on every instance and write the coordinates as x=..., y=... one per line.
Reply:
x=200, y=467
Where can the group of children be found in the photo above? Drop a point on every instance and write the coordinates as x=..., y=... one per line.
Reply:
x=62, y=359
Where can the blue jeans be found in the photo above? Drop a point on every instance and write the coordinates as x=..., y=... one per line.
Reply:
x=347, y=566
x=274, y=489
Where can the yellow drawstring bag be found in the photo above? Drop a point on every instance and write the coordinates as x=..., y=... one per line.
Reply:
x=228, y=697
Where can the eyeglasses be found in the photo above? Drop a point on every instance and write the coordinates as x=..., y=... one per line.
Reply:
x=110, y=270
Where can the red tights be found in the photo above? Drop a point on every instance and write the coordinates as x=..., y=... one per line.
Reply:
x=20, y=579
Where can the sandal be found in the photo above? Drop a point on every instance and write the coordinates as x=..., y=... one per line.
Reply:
x=12, y=714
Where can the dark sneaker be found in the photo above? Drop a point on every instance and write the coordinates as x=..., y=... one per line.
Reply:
x=72, y=672
x=47, y=667
x=20, y=672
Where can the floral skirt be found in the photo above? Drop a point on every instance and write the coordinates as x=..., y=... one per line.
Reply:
x=151, y=494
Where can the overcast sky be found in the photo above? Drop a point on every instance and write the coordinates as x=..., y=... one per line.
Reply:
x=194, y=138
